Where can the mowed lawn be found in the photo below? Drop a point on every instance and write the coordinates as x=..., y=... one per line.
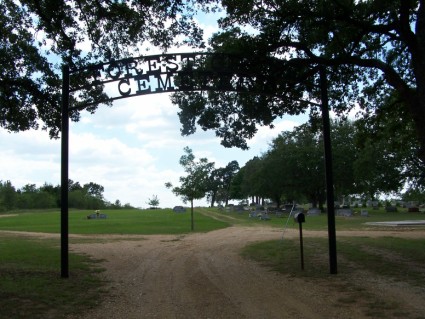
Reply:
x=319, y=222
x=122, y=221
x=30, y=283
x=165, y=221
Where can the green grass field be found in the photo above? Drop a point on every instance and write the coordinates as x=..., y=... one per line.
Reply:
x=30, y=285
x=165, y=221
x=122, y=221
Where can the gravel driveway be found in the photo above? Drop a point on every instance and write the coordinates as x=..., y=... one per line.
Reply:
x=202, y=275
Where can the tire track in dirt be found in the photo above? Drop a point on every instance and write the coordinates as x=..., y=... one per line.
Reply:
x=202, y=276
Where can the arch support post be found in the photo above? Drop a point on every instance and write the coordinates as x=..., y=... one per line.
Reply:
x=64, y=172
x=329, y=171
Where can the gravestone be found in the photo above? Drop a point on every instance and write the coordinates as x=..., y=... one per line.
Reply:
x=314, y=212
x=346, y=212
x=238, y=208
x=97, y=215
x=179, y=209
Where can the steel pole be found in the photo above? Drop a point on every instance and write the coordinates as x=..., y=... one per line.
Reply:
x=329, y=171
x=300, y=225
x=64, y=172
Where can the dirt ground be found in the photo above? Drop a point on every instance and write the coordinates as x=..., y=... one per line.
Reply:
x=202, y=275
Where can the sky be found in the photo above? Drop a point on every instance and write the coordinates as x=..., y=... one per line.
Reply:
x=132, y=148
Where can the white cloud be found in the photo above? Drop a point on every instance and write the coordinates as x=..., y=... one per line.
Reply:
x=132, y=164
x=266, y=134
x=29, y=157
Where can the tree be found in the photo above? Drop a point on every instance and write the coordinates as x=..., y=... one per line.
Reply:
x=377, y=131
x=117, y=204
x=40, y=35
x=195, y=184
x=247, y=181
x=74, y=186
x=214, y=184
x=371, y=49
x=385, y=161
x=237, y=186
x=94, y=190
x=31, y=197
x=298, y=169
x=345, y=154
x=29, y=188
x=270, y=179
x=8, y=196
x=415, y=195
x=229, y=173
x=219, y=183
x=54, y=191
x=376, y=170
x=153, y=202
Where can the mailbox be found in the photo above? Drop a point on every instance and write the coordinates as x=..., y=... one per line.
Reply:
x=299, y=218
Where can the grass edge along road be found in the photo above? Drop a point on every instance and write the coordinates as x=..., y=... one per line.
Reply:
x=368, y=269
x=30, y=283
x=29, y=265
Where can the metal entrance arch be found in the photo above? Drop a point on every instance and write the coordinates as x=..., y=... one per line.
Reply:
x=170, y=73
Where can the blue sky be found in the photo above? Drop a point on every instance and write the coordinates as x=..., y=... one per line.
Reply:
x=132, y=148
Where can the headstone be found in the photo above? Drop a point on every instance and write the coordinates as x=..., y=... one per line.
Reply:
x=288, y=207
x=97, y=215
x=313, y=212
x=347, y=212
x=238, y=208
x=279, y=213
x=264, y=216
x=374, y=204
x=364, y=213
x=253, y=214
x=179, y=209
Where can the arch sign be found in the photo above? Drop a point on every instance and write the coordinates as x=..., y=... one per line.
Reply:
x=166, y=73
x=137, y=76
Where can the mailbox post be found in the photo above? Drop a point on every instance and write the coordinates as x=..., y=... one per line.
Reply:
x=300, y=219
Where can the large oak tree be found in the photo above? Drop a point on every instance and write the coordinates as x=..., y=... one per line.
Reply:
x=371, y=50
x=38, y=36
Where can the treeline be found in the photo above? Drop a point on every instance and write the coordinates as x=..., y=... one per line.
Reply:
x=87, y=196
x=367, y=162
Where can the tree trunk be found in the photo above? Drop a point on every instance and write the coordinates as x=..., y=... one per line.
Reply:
x=417, y=104
x=192, y=227
x=213, y=198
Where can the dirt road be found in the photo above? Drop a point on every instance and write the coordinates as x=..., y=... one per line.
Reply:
x=203, y=276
